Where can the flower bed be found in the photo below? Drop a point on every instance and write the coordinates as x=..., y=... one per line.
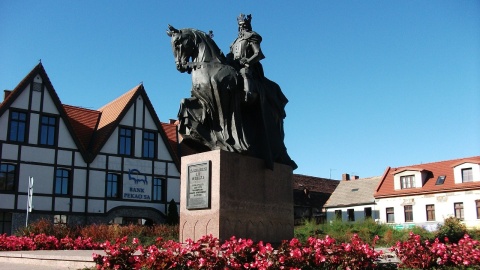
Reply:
x=44, y=242
x=414, y=253
x=208, y=253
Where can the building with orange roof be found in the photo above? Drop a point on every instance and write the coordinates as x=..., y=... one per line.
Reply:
x=426, y=194
x=111, y=165
x=353, y=199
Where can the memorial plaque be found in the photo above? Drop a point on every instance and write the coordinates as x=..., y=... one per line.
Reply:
x=198, y=185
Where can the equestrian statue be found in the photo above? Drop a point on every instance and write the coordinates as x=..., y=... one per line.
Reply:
x=233, y=106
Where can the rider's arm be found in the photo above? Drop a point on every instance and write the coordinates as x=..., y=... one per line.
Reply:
x=257, y=54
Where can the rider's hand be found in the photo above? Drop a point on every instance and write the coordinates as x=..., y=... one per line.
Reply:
x=244, y=61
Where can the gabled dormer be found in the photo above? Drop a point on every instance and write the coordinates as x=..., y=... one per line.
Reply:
x=408, y=178
x=466, y=171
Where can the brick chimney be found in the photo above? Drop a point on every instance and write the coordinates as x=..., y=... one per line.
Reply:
x=355, y=177
x=345, y=177
x=6, y=93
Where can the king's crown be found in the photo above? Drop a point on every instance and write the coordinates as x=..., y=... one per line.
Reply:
x=244, y=19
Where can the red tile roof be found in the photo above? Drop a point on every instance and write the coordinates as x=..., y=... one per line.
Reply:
x=434, y=169
x=171, y=132
x=84, y=123
x=180, y=149
x=111, y=114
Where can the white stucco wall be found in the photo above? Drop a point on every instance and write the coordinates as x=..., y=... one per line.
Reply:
x=173, y=189
x=79, y=182
x=64, y=157
x=359, y=212
x=9, y=151
x=139, y=112
x=111, y=145
x=4, y=123
x=97, y=184
x=43, y=177
x=127, y=120
x=48, y=104
x=33, y=129
x=21, y=101
x=444, y=207
x=37, y=154
x=65, y=140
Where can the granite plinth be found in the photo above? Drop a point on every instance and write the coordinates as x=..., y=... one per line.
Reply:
x=247, y=200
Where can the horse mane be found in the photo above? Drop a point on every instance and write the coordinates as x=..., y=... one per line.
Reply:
x=210, y=45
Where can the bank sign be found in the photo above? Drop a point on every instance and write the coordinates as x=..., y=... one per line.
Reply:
x=137, y=186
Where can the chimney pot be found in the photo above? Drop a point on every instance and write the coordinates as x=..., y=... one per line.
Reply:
x=6, y=93
x=345, y=177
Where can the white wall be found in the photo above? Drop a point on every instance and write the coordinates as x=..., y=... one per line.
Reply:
x=173, y=189
x=4, y=123
x=359, y=212
x=444, y=207
x=65, y=140
x=21, y=101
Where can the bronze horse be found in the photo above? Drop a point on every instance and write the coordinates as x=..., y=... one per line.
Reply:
x=216, y=115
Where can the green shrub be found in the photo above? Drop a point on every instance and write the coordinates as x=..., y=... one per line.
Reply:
x=451, y=228
x=45, y=226
x=367, y=229
x=172, y=214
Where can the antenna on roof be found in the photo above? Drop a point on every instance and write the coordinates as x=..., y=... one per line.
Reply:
x=331, y=172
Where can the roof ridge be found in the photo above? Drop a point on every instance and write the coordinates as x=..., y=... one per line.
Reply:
x=134, y=89
x=429, y=163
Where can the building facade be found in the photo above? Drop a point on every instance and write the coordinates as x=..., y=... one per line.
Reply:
x=426, y=194
x=111, y=165
x=309, y=196
x=353, y=199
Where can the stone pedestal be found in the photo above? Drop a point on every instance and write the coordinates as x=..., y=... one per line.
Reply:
x=246, y=199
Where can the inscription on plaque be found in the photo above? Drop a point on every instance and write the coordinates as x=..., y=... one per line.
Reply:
x=198, y=186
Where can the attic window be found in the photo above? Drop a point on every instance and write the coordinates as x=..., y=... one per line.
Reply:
x=354, y=189
x=37, y=87
x=440, y=180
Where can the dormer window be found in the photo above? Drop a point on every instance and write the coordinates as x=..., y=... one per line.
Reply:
x=466, y=172
x=407, y=181
x=410, y=178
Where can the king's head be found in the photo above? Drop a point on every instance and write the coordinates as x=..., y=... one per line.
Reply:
x=245, y=21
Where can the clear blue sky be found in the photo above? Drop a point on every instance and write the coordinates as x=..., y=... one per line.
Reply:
x=371, y=84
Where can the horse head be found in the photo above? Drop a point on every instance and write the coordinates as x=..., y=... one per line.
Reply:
x=183, y=45
x=193, y=45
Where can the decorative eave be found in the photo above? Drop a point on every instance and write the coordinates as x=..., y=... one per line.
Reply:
x=465, y=161
x=394, y=172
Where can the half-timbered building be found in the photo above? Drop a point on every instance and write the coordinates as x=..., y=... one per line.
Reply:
x=111, y=165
